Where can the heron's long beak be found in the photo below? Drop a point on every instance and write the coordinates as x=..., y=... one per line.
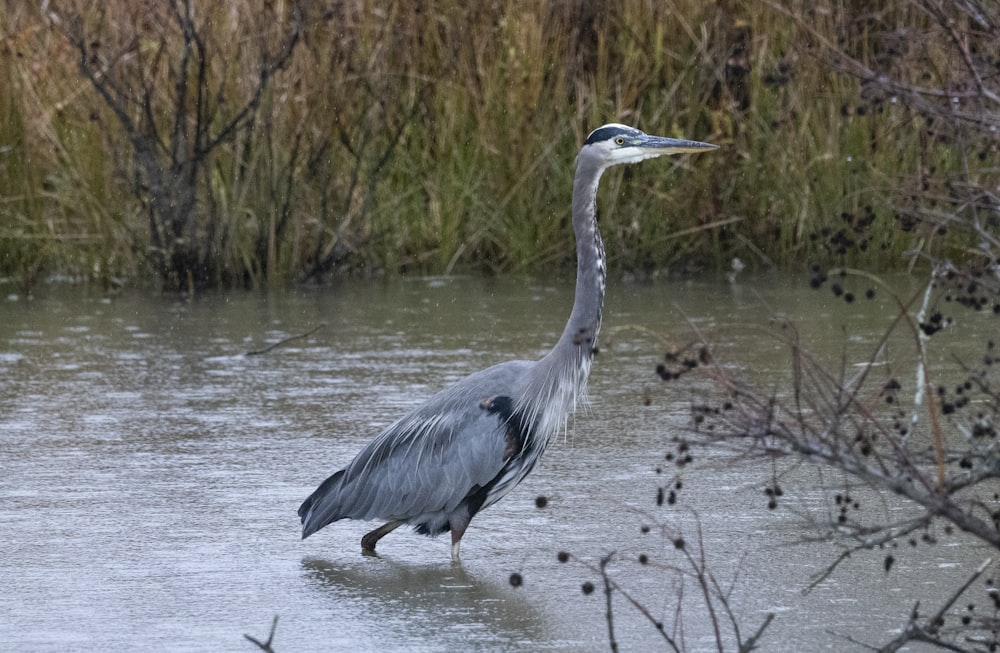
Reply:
x=661, y=145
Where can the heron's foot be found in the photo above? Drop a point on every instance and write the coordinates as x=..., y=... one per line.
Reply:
x=369, y=541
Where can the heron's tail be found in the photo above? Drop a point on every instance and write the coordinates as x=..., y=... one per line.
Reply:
x=316, y=512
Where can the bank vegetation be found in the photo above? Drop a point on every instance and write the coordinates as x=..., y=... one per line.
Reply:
x=248, y=144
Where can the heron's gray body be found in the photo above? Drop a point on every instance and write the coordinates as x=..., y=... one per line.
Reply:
x=427, y=468
x=473, y=442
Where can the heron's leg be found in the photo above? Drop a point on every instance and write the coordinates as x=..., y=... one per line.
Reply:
x=369, y=541
x=457, y=531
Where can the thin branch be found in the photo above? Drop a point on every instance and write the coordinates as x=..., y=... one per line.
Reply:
x=751, y=643
x=928, y=631
x=285, y=341
x=269, y=69
x=891, y=533
x=643, y=610
x=937, y=12
x=265, y=646
x=702, y=576
x=608, y=588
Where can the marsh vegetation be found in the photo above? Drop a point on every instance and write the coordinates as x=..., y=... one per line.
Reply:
x=248, y=146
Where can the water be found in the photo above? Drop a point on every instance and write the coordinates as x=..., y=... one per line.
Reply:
x=152, y=472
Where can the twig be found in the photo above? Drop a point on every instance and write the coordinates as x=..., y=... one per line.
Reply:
x=928, y=632
x=643, y=610
x=608, y=588
x=258, y=352
x=936, y=619
x=266, y=646
x=702, y=575
x=751, y=643
x=890, y=533
x=962, y=46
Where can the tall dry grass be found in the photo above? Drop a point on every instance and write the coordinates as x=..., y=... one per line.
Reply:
x=435, y=137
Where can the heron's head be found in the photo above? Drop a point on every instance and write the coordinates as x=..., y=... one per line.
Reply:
x=613, y=144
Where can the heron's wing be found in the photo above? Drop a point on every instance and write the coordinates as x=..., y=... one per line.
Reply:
x=428, y=461
x=425, y=463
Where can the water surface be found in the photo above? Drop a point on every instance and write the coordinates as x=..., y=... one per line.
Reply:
x=152, y=473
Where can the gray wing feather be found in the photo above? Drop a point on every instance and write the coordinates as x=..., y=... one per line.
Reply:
x=427, y=461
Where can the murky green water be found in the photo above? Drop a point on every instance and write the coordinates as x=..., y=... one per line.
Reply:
x=152, y=472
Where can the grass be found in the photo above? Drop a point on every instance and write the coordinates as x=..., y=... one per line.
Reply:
x=403, y=140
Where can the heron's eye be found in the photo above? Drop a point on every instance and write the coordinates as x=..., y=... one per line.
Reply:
x=619, y=140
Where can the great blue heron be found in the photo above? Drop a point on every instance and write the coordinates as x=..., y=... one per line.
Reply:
x=470, y=444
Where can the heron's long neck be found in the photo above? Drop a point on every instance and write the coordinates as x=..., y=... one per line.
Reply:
x=580, y=336
x=559, y=379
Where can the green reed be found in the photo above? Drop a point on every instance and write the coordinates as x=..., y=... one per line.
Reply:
x=405, y=140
